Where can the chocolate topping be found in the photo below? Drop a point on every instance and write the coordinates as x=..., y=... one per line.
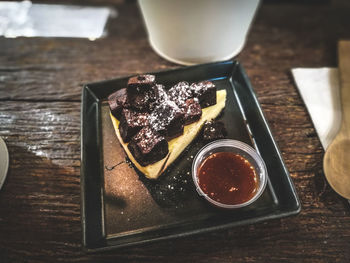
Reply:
x=213, y=130
x=148, y=146
x=192, y=110
x=167, y=119
x=180, y=92
x=205, y=91
x=159, y=95
x=140, y=83
x=131, y=122
x=141, y=101
x=117, y=101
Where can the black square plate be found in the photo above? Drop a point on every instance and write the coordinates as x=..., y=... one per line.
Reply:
x=120, y=207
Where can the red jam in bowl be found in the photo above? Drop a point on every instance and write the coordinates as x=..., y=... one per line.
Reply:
x=228, y=178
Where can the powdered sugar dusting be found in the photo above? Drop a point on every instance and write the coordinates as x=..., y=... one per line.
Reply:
x=135, y=118
x=163, y=114
x=201, y=87
x=180, y=92
x=147, y=139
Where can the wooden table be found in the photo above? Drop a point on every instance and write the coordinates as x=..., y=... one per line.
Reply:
x=40, y=87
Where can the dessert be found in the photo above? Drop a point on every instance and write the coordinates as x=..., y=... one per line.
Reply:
x=205, y=91
x=131, y=122
x=192, y=110
x=143, y=100
x=140, y=83
x=167, y=119
x=140, y=92
x=214, y=130
x=117, y=101
x=180, y=92
x=154, y=125
x=148, y=146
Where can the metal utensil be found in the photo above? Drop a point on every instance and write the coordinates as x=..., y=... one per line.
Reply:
x=336, y=162
x=4, y=161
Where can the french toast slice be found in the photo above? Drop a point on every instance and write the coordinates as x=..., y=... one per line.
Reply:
x=178, y=144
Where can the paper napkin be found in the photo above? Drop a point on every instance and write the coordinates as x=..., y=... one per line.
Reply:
x=319, y=88
x=47, y=20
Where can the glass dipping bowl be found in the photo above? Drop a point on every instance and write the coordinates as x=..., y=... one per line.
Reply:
x=237, y=147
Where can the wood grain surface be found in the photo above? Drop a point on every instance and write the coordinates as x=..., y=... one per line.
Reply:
x=40, y=88
x=335, y=161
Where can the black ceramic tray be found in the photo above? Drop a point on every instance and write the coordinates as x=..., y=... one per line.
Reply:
x=120, y=207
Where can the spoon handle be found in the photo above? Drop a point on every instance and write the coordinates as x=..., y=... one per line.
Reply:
x=344, y=72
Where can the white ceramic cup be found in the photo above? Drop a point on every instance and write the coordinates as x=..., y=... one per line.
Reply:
x=197, y=31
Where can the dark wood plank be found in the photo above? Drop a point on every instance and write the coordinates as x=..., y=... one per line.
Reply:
x=41, y=196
